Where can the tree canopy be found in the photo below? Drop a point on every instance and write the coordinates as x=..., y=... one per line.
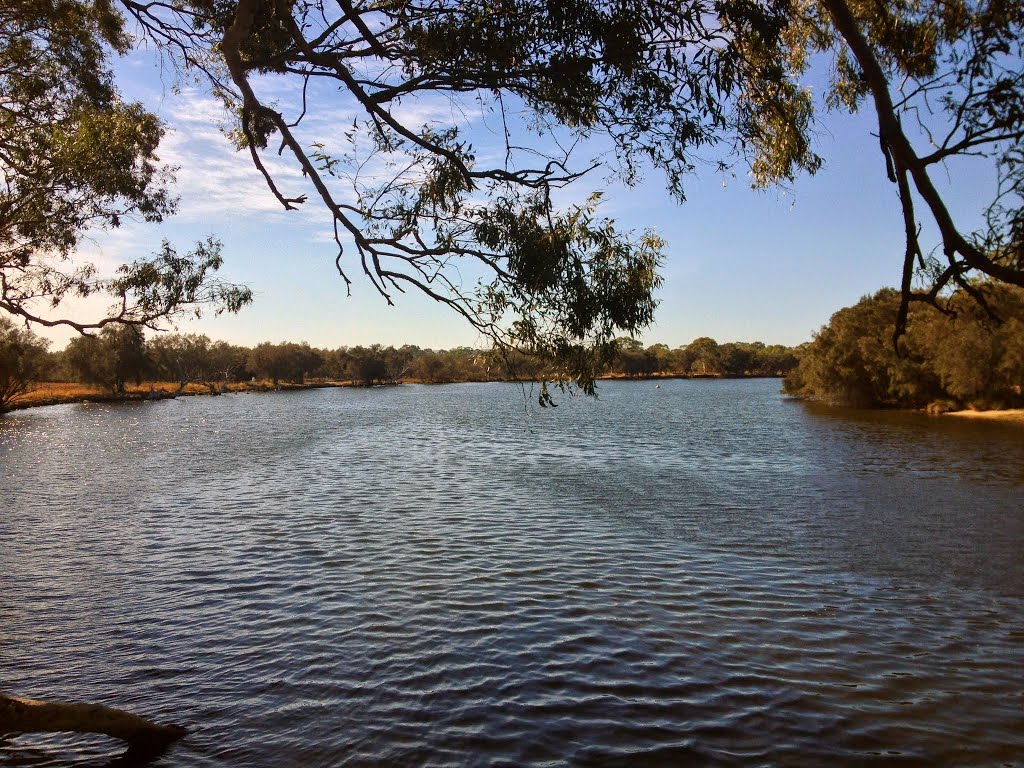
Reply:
x=74, y=158
x=944, y=360
x=112, y=358
x=946, y=82
x=23, y=361
x=667, y=86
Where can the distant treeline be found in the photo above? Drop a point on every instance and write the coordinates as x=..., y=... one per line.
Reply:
x=704, y=357
x=972, y=356
x=120, y=355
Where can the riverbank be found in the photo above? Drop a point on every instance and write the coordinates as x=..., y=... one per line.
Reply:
x=61, y=393
x=1012, y=415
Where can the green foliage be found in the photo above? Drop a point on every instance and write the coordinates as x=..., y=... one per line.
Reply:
x=977, y=359
x=559, y=284
x=669, y=85
x=181, y=358
x=23, y=361
x=192, y=358
x=76, y=158
x=168, y=283
x=111, y=359
x=381, y=365
x=704, y=357
x=432, y=368
x=666, y=85
x=120, y=354
x=574, y=285
x=636, y=362
x=367, y=366
x=968, y=357
x=851, y=359
x=284, y=362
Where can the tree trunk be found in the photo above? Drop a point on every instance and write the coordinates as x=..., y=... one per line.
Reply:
x=18, y=715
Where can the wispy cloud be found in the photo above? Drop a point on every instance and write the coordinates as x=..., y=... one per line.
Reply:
x=213, y=180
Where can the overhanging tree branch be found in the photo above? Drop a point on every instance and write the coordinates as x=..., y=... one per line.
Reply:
x=891, y=132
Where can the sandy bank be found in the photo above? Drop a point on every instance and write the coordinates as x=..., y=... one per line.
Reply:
x=1015, y=415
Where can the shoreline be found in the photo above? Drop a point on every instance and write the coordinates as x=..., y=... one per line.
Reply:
x=1013, y=416
x=1007, y=415
x=66, y=393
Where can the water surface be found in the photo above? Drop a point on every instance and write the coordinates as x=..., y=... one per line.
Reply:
x=701, y=574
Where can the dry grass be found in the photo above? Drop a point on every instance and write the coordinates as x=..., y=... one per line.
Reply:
x=58, y=390
x=55, y=392
x=167, y=387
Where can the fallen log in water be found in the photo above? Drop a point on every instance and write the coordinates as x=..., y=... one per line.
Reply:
x=19, y=715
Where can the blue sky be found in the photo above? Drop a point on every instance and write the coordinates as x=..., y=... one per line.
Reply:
x=742, y=264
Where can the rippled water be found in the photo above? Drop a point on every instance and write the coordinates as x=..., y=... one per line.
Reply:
x=700, y=574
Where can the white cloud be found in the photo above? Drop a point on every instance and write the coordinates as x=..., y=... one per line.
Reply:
x=213, y=180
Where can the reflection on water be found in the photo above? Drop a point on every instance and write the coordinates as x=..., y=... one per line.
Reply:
x=700, y=574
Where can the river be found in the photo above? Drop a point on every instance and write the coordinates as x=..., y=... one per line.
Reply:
x=704, y=573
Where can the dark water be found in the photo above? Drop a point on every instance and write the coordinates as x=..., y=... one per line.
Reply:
x=699, y=574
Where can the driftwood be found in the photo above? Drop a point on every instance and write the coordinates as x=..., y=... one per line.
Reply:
x=18, y=715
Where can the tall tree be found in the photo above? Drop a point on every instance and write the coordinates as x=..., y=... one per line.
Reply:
x=559, y=282
x=958, y=358
x=368, y=365
x=23, y=361
x=284, y=362
x=706, y=356
x=183, y=358
x=111, y=359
